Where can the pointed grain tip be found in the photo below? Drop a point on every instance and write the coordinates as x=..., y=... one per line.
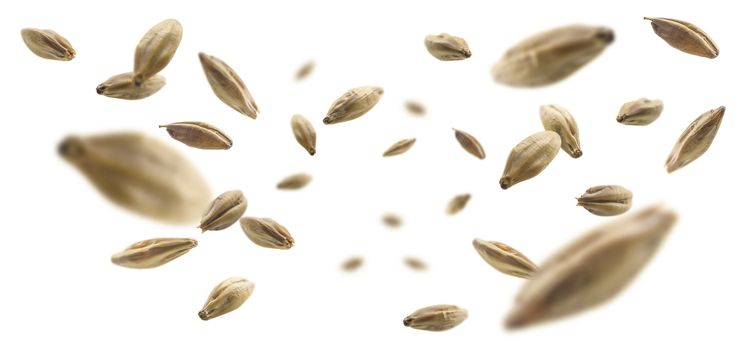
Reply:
x=327, y=121
x=203, y=315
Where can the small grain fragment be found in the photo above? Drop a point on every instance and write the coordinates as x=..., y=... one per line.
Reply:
x=415, y=108
x=392, y=220
x=352, y=264
x=305, y=70
x=415, y=264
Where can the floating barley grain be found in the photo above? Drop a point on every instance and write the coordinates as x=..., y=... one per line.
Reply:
x=226, y=297
x=684, y=36
x=695, y=140
x=592, y=269
x=153, y=252
x=141, y=174
x=224, y=211
x=199, y=135
x=46, y=43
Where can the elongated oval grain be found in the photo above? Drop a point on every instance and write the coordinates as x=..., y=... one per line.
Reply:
x=352, y=264
x=141, y=174
x=399, y=147
x=695, y=140
x=304, y=133
x=267, y=233
x=551, y=56
x=457, y=203
x=640, y=112
x=122, y=86
x=505, y=258
x=224, y=211
x=470, y=144
x=153, y=252
x=415, y=263
x=558, y=119
x=294, y=182
x=530, y=157
x=592, y=269
x=305, y=70
x=353, y=104
x=606, y=200
x=156, y=49
x=46, y=43
x=684, y=36
x=392, y=220
x=199, y=135
x=228, y=86
x=446, y=47
x=226, y=297
x=436, y=318
x=415, y=108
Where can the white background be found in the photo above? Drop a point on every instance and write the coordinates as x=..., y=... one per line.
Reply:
x=60, y=289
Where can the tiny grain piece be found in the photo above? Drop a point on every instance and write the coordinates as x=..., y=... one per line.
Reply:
x=352, y=264
x=266, y=233
x=399, y=147
x=592, y=269
x=227, y=85
x=695, y=140
x=46, y=43
x=640, y=112
x=226, y=297
x=224, y=211
x=153, y=252
x=141, y=174
x=415, y=264
x=156, y=48
x=392, y=220
x=505, y=258
x=558, y=119
x=606, y=200
x=530, y=157
x=199, y=135
x=446, y=47
x=470, y=144
x=551, y=56
x=294, y=182
x=353, y=104
x=436, y=318
x=304, y=133
x=457, y=203
x=305, y=70
x=415, y=108
x=122, y=86
x=684, y=36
